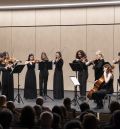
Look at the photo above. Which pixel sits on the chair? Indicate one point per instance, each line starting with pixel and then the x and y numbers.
pixel 108 97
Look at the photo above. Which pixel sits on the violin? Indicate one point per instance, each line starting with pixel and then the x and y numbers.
pixel 97 85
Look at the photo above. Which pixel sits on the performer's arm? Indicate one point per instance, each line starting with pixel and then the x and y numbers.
pixel 107 77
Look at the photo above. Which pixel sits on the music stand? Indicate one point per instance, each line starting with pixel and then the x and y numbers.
pixel 76 67
pixel 48 65
pixel 18 69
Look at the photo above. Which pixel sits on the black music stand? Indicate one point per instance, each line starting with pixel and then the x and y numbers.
pixel 76 67
pixel 41 66
pixel 18 69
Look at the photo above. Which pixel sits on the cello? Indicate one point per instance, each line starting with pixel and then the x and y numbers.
pixel 97 85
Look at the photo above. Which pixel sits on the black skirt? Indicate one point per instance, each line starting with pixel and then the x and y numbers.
pixel 30 90
pixel 8 85
pixel 58 85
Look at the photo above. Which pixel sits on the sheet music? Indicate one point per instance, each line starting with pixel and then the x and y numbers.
pixel 75 80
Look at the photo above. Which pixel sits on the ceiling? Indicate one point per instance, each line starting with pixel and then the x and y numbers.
pixel 34 2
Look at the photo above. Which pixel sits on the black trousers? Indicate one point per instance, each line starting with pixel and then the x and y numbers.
pixel 99 95
pixel 43 79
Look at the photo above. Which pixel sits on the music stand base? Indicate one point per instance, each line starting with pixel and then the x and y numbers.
pixel 47 96
pixel 18 98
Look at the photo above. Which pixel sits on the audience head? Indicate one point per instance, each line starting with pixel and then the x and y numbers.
pixel 73 124
pixel 27 116
pixel 39 101
pixel 6 118
pixel 57 109
pixel 84 106
pixel 38 110
pixel 84 113
pixel 90 121
pixel 67 102
pixel 46 119
pixel 114 106
pixel 3 100
pixel 116 118
pixel 1 126
pixel 56 121
pixel 10 105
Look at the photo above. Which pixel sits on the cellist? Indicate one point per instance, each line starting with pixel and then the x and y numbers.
pixel 106 88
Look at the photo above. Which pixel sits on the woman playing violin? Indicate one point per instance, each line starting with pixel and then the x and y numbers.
pixel 81 58
pixel 106 87
pixel 30 90
pixel 7 77
pixel 98 65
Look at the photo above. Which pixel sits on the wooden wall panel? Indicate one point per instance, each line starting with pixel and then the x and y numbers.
pixel 117 14
pixel 23 43
pixel 5 40
pixel 99 38
pixel 23 18
pixel 116 50
pixel 73 16
pixel 5 18
pixel 48 40
pixel 100 15
pixel 48 17
pixel 72 40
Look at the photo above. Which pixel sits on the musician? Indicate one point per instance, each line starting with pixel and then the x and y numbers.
pixel 81 58
pixel 98 65
pixel 58 84
pixel 7 77
pixel 106 87
pixel 43 75
pixel 30 87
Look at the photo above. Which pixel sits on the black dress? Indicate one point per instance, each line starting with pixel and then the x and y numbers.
pixel 98 68
pixel 82 77
pixel 30 91
pixel 7 84
pixel 43 79
pixel 58 84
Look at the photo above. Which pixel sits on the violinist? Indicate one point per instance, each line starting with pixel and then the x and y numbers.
pixel 30 87
pixel 58 83
pixel 43 75
pixel 98 65
pixel 7 77
pixel 106 87
pixel 83 74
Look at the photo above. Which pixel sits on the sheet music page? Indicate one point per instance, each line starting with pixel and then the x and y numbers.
pixel 75 80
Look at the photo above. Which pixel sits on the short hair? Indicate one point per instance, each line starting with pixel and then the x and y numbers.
pixel 6 118
pixel 27 117
pixel 90 121
pixel 3 100
pixel 84 106
pixel 73 124
pixel 116 118
pixel 46 119
pixel 114 106
pixel 39 101
pixel 67 101
pixel 10 105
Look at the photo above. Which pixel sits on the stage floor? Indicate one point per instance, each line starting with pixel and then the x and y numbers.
pixel 48 102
